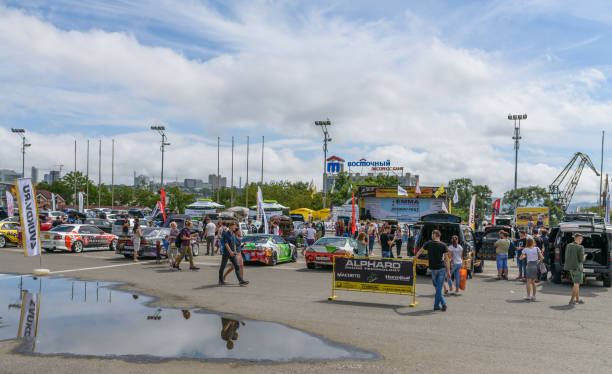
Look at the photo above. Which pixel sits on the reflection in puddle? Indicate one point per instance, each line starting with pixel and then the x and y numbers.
pixel 94 320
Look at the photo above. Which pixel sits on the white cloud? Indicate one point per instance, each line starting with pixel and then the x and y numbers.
pixel 396 92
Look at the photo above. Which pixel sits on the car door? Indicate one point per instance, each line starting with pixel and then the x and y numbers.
pixel 283 247
pixel 98 238
pixel 86 237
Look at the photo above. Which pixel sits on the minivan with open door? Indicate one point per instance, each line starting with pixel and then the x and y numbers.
pixel 448 225
pixel 597 241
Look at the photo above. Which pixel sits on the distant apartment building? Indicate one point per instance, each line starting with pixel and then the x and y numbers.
pixel 9 176
pixel 140 179
pixel 34 175
pixel 54 175
pixel 213 179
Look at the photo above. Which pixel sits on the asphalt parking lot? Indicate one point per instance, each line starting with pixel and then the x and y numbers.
pixel 487 329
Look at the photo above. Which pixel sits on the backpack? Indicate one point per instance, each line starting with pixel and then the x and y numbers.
pixel 178 241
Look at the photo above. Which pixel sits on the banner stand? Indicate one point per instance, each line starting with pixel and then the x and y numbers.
pixel 366 281
pixel 23 213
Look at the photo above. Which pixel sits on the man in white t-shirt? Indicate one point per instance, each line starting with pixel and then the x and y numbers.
pixel 210 237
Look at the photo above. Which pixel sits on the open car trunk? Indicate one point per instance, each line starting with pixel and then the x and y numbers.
pixel 596 247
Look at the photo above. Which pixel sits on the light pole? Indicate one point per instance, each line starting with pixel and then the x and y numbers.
pixel 162 131
pixel 24 145
pixel 516 137
pixel 326 139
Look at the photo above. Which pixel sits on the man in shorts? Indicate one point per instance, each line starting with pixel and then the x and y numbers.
pixel 501 254
pixel 574 260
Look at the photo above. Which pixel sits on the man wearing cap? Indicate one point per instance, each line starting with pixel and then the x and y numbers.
pixel 574 258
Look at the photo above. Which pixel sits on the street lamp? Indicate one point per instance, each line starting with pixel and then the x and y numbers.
pixel 326 139
pixel 161 130
pixel 516 138
pixel 24 145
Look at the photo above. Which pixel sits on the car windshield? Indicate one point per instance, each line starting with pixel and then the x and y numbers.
pixel 151 231
pixel 255 239
pixel 63 228
pixel 337 242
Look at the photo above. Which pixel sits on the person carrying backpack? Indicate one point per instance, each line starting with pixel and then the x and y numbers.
pixel 185 237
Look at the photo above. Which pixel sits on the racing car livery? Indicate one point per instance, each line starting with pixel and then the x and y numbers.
pixel 325 249
pixel 268 249
pixel 9 233
pixel 77 238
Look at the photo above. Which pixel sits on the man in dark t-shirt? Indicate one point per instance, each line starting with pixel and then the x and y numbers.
pixel 439 265
pixel 386 242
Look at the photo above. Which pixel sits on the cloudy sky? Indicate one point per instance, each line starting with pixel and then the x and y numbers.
pixel 427 86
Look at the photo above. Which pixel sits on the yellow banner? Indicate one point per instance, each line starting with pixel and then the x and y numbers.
pixel 526 214
pixel 373 287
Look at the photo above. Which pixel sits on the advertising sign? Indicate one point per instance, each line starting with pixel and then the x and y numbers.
pixel 29 315
pixel 402 209
pixel 531 214
pixel 425 192
pixel 28 214
pixel 374 275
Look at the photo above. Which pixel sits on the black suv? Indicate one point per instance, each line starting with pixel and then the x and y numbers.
pixel 485 241
pixel 597 245
pixel 448 225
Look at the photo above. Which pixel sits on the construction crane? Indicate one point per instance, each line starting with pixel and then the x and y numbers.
pixel 562 190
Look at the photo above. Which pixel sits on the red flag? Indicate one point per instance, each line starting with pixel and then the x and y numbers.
pixel 496 207
pixel 353 224
pixel 163 203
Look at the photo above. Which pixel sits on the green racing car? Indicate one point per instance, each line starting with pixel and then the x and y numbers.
pixel 268 249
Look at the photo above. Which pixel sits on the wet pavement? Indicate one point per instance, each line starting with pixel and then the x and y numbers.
pixel 95 319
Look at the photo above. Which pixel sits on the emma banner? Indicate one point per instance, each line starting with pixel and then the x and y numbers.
pixel 401 209
pixel 30 229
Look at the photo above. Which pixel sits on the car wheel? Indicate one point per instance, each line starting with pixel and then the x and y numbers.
pixel 128 256
pixel 294 255
pixel 113 245
pixel 311 265
pixel 2 241
pixel 421 271
pixel 606 281
pixel 195 249
pixel 273 259
pixel 49 250
pixel 77 247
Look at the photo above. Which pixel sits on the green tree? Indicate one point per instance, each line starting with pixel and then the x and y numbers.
pixel 527 196
pixel 177 199
pixel 465 190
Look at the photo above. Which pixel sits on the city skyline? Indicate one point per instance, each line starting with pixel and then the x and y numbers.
pixel 428 87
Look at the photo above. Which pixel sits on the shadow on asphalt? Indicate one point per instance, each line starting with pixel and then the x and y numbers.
pixel 562 307
pixel 362 304
pixel 592 289
pixel 214 285
pixel 518 301
pixel 415 313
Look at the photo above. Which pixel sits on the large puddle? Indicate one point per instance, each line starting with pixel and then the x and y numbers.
pixel 94 319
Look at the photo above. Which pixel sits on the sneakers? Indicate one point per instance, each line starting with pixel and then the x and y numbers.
pixel 533 298
pixel 579 302
pixel 194 268
pixel 244 283
pixel 527 298
pixel 443 308
pixel 222 283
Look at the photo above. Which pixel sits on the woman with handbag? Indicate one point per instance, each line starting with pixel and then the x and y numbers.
pixel 533 255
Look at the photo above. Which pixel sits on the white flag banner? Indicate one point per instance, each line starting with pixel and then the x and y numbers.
pixel 455 197
pixel 28 321
pixel 30 229
pixel 10 204
pixel 401 191
pixel 81 202
pixel 472 221
pixel 444 209
pixel 53 201
pixel 607 215
pixel 260 209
